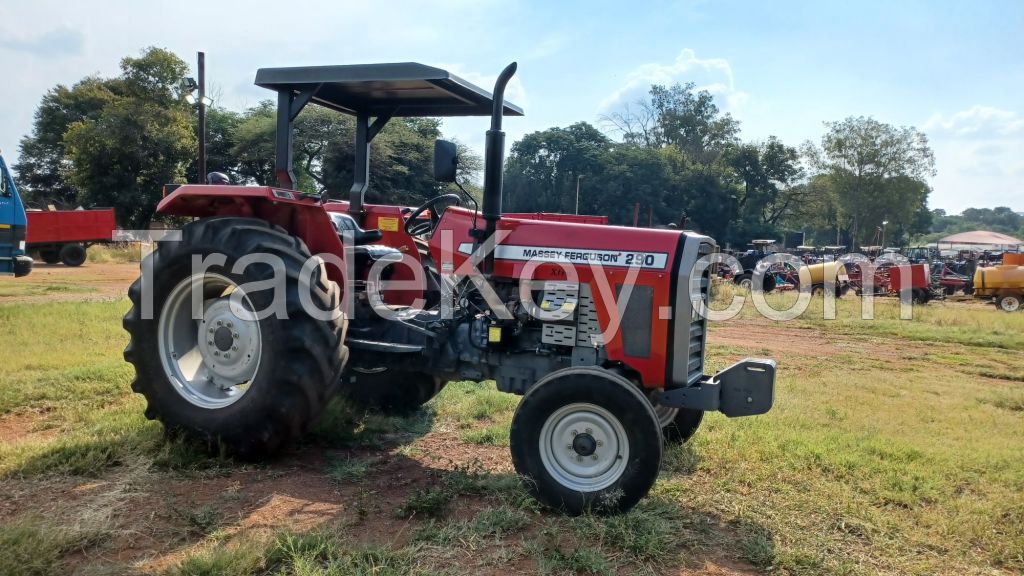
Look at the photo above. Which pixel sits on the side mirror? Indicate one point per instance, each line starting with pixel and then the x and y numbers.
pixel 446 160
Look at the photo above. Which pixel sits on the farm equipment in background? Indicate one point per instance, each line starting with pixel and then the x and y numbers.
pixel 13 259
pixel 1002 284
pixel 64 236
pixel 948 282
pixel 604 372
pixel 750 261
pixel 815 275
pixel 891 278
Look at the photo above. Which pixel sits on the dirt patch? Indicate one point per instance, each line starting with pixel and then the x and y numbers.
pixel 88 282
pixel 760 337
pixel 24 427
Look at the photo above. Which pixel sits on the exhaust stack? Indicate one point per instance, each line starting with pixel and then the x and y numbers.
pixel 494 154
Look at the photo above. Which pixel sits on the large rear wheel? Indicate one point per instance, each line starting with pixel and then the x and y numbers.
pixel 585 439
pixel 225 358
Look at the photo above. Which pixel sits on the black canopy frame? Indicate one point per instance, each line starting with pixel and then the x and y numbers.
pixel 368 91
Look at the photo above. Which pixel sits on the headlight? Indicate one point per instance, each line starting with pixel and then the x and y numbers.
pixel 21 245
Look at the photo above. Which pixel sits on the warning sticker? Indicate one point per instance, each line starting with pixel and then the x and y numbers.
pixel 387 223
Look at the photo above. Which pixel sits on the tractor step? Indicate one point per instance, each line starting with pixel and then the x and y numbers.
pixel 389 347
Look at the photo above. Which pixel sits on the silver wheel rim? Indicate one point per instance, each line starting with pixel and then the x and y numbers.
pixel 746 284
pixel 210 361
pixel 666 414
pixel 1010 303
pixel 561 438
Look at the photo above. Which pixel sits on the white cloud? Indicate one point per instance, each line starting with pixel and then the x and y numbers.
pixel 712 74
pixel 61 41
pixel 979 155
pixel 979 120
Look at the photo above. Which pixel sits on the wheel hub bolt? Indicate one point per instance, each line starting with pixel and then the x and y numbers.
pixel 579 458
pixel 230 325
pixel 209 342
pixel 216 352
pixel 594 456
pixel 226 355
pixel 235 335
pixel 589 431
pixel 235 348
pixel 575 433
pixel 599 443
pixel 220 322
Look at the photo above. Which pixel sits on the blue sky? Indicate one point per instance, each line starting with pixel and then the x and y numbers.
pixel 952 69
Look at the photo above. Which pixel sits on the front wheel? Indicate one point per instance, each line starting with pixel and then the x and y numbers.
pixel 223 358
pixel 678 424
pixel 585 439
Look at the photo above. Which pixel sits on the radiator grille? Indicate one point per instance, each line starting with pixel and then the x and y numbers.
pixel 698 326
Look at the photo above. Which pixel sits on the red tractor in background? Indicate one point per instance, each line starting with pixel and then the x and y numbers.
pixel 598 327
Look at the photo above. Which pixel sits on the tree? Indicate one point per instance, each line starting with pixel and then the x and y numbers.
pixel 43 164
pixel 678 116
pixel 877 171
pixel 544 167
pixel 140 140
pixel 768 172
pixel 253 145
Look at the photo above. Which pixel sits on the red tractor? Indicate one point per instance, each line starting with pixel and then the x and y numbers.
pixel 273 299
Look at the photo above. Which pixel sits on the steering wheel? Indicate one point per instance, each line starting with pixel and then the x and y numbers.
pixel 415 228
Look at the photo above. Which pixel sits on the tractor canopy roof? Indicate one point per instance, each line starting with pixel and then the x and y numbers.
pixel 393 90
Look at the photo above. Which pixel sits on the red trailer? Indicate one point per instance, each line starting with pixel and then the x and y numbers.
pixel 64 235
pixel 890 279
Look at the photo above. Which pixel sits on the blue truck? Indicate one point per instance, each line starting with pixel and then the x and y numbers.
pixel 13 226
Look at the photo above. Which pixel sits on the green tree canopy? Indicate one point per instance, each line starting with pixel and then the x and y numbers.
pixel 878 174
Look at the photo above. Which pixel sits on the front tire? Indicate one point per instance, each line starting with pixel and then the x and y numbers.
pixel 680 424
pixel 282 368
pixel 585 439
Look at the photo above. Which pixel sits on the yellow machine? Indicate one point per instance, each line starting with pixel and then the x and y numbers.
pixel 1003 283
pixel 814 275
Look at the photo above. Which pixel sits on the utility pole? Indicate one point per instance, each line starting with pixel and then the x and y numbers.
pixel 578 178
pixel 202 118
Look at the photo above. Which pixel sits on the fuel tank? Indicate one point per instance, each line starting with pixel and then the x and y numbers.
pixel 1008 276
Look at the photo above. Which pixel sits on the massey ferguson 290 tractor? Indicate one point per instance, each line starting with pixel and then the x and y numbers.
pixel 272 300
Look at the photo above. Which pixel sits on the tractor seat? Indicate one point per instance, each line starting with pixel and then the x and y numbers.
pixel 344 223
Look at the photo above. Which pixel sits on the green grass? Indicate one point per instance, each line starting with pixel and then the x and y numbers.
pixel 903 462
pixel 119 252
pixel 348 469
pixel 317 553
pixel 22 288
pixel 480 413
pixel 970 324
pixel 30 549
